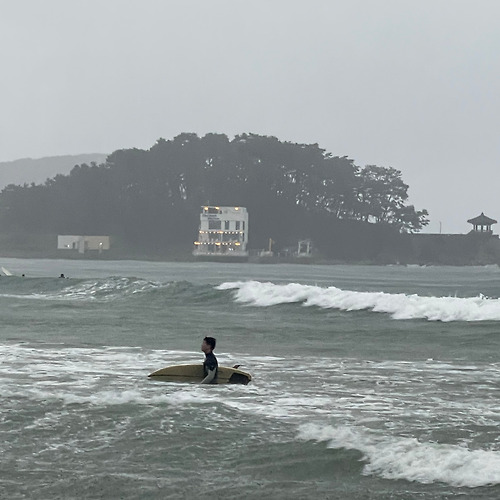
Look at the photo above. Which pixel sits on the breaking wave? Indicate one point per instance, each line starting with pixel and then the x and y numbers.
pixel 409 459
pixel 103 289
pixel 400 306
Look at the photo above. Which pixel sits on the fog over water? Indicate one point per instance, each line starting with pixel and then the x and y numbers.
pixel 406 84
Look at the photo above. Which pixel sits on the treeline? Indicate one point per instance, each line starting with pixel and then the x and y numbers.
pixel 151 199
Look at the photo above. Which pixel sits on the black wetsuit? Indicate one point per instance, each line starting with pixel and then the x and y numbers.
pixel 210 363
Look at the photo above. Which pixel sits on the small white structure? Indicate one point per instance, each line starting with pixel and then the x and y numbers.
pixel 83 244
pixel 304 248
pixel 269 252
pixel 223 232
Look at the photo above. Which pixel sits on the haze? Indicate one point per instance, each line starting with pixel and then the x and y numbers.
pixel 412 85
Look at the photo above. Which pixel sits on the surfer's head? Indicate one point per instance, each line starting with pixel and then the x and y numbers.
pixel 208 344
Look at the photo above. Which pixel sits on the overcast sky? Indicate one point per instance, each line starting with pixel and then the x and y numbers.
pixel 409 84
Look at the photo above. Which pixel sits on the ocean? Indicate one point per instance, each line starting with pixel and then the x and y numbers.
pixel 369 382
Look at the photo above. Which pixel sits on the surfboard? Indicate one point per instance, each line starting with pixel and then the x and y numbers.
pixel 194 373
pixel 6 272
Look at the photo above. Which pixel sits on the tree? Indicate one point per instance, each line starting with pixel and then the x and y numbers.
pixel 151 198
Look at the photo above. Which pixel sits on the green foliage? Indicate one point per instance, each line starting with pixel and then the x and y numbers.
pixel 151 199
pixel 382 195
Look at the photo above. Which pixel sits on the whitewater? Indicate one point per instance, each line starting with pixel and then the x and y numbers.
pixel 399 306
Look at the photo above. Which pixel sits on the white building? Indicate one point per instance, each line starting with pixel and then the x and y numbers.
pixel 223 232
pixel 83 244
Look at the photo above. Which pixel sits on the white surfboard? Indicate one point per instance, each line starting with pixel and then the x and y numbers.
pixel 194 373
pixel 6 272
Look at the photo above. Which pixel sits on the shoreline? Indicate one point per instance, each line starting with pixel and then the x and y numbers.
pixel 314 261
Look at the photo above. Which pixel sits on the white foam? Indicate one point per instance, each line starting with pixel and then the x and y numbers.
pixel 108 288
pixel 139 396
pixel 400 306
pixel 409 459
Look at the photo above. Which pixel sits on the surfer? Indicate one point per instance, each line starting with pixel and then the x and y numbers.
pixel 210 364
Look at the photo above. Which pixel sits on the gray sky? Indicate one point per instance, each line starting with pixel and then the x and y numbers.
pixel 409 84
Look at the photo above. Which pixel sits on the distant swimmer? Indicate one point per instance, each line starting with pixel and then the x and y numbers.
pixel 210 365
pixel 62 276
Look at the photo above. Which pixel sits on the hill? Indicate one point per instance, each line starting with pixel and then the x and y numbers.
pixel 149 200
pixel 28 170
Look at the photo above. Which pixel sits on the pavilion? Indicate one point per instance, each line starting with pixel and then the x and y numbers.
pixel 482 224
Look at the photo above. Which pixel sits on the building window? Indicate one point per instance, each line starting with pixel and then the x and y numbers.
pixel 243 225
pixel 214 224
pixel 226 225
pixel 237 225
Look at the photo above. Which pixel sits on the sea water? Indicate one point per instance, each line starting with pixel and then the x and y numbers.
pixel 368 382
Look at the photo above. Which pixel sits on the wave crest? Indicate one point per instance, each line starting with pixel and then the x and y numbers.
pixel 409 459
pixel 400 306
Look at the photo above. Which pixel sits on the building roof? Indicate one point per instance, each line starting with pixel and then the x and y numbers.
pixel 482 220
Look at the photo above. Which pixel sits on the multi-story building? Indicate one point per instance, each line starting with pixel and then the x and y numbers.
pixel 223 233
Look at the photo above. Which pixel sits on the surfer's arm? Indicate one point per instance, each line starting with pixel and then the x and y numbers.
pixel 211 375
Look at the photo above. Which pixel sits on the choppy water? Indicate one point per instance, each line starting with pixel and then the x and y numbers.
pixel 368 382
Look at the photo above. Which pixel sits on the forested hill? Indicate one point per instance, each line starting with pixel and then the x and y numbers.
pixel 151 199
pixel 28 170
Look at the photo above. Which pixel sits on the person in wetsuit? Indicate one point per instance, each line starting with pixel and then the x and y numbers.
pixel 210 364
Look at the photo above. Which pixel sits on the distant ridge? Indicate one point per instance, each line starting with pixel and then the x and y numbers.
pixel 28 170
